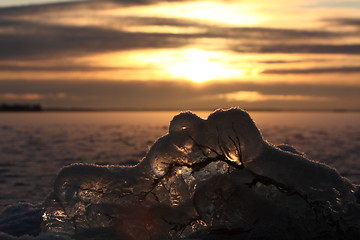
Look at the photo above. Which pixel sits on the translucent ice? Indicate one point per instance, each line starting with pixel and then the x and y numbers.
pixel 207 179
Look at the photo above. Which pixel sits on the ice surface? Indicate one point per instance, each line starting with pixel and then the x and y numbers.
pixel 206 179
pixel 23 222
pixel 21 219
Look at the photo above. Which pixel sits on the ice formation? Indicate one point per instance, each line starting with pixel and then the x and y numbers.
pixel 207 179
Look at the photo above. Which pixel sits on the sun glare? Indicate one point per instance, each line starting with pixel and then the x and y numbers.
pixel 200 66
pixel 192 64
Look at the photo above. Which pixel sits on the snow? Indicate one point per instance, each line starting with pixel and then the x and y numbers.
pixel 206 179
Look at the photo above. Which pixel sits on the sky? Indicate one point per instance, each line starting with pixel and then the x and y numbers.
pixel 199 54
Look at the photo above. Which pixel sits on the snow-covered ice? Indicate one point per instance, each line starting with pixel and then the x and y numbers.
pixel 206 179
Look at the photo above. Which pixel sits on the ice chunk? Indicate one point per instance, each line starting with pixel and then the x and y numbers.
pixel 22 222
pixel 21 219
pixel 207 179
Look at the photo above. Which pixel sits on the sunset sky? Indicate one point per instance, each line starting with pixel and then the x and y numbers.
pixel 149 54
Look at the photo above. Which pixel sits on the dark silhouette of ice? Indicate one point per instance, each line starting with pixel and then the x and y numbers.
pixel 207 179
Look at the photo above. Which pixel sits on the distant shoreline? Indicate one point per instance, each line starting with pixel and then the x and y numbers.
pixel 18 107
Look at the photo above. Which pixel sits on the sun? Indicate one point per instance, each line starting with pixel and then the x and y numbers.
pixel 200 66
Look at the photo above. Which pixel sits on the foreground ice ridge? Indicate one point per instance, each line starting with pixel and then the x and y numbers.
pixel 207 179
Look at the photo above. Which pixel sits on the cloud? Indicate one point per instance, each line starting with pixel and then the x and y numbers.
pixel 32 40
pixel 185 95
pixel 91 6
pixel 255 96
pixel 44 41
pixel 33 32
pixel 269 33
pixel 30 96
pixel 347 25
pixel 344 21
pixel 136 2
pixel 25 96
pixel 314 70
pixel 299 48
pixel 290 61
pixel 333 4
pixel 64 68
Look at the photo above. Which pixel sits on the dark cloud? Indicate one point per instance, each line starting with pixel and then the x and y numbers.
pixel 266 34
pixel 177 95
pixel 314 70
pixel 46 41
pixel 345 21
pixel 137 2
pixel 28 39
pixel 40 40
pixel 291 61
pixel 216 30
pixel 241 33
pixel 91 5
pixel 38 9
pixel 65 68
pixel 299 48
pixel 160 21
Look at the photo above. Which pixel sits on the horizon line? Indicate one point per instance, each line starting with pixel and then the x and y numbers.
pixel 64 109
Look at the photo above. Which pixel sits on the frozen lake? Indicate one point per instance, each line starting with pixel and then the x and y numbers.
pixel 34 146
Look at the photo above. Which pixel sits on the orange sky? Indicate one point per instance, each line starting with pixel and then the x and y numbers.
pixel 182 54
